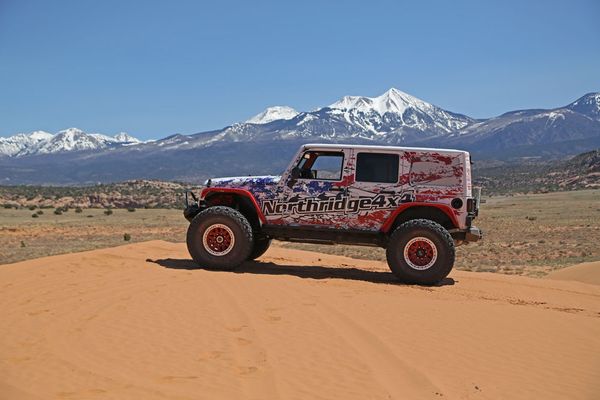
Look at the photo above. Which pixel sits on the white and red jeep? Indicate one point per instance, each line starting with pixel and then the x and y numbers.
pixel 417 203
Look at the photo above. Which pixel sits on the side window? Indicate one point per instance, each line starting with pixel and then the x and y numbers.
pixel 430 171
pixel 377 167
pixel 322 165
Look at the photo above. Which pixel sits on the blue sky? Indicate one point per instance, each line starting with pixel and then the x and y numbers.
pixel 154 68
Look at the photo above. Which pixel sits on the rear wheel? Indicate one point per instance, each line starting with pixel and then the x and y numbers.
pixel 220 238
pixel 261 245
pixel 420 251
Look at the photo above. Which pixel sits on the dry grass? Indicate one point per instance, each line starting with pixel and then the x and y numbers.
pixel 23 237
pixel 527 234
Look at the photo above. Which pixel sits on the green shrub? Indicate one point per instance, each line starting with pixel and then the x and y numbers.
pixel 58 211
pixel 108 211
pixel 131 209
pixel 39 212
pixel 78 210
pixel 35 215
pixel 32 207
pixel 127 237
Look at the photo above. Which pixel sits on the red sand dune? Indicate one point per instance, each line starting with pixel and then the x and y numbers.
pixel 108 324
pixel 588 272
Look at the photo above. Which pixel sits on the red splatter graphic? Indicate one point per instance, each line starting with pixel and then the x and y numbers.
pixel 346 181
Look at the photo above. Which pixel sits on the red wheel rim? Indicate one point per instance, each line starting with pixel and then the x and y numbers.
pixel 218 239
pixel 420 253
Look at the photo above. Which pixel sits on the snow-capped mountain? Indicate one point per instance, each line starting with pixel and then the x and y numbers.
pixel 124 138
pixel 67 140
pixel 272 114
pixel 588 105
pixel 573 127
pixel 395 110
pixel 13 145
pixel 393 117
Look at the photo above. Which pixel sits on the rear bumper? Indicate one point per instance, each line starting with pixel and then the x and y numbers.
pixel 468 235
pixel 473 234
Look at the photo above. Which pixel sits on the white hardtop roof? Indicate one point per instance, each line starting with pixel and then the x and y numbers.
pixel 373 147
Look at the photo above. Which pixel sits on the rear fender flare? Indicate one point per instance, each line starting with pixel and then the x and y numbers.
pixel 389 222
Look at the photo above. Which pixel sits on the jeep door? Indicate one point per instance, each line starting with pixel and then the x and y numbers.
pixel 375 190
pixel 316 194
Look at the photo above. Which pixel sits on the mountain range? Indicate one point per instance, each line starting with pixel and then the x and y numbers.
pixel 72 139
pixel 265 142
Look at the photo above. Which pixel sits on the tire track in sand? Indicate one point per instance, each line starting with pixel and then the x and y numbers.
pixel 395 376
pixel 252 369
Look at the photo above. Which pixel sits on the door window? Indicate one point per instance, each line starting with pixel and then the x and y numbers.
pixel 321 165
pixel 377 167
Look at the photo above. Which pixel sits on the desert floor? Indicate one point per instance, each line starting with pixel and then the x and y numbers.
pixel 528 235
pixel 141 322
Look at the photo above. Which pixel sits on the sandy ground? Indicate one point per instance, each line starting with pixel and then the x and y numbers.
pixel 138 322
pixel 585 272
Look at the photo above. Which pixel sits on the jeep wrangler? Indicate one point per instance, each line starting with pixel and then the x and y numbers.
pixel 417 203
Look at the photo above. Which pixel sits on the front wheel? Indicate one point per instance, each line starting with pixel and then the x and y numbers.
pixel 420 251
pixel 220 238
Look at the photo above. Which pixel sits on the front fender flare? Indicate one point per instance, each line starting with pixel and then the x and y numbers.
pixel 241 192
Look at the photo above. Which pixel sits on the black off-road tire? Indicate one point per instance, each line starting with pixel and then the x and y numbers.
pixel 223 222
pixel 413 243
pixel 261 245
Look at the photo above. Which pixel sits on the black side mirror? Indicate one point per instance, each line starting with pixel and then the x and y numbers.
pixel 295 173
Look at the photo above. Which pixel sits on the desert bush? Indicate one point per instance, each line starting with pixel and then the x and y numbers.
pixel 35 215
pixel 131 209
pixel 58 211
pixel 39 212
pixel 78 210
pixel 32 207
pixel 127 237
pixel 23 244
pixel 7 205
pixel 108 211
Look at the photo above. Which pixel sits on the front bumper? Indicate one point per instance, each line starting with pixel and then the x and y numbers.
pixel 192 208
pixel 468 235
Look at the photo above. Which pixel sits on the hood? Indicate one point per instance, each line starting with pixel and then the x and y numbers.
pixel 245 182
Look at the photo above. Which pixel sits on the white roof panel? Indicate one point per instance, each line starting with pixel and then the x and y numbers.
pixel 373 147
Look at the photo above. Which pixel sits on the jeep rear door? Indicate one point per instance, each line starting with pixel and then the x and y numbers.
pixel 374 192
